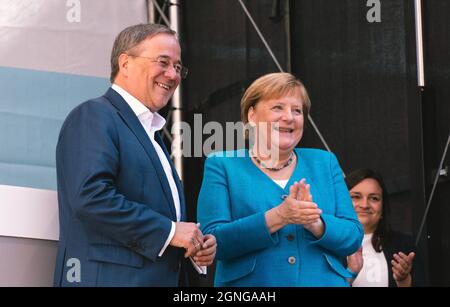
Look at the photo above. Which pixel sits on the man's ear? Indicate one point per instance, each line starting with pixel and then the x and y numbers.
pixel 123 64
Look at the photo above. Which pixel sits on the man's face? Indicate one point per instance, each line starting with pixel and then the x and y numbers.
pixel 148 80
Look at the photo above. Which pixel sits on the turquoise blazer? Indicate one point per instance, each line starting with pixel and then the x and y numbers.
pixel 234 197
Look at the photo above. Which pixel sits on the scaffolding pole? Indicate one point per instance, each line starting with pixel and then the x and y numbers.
pixel 177 100
pixel 151 14
pixel 175 113
pixel 419 43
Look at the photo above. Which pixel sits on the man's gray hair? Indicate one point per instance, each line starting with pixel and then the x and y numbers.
pixel 130 38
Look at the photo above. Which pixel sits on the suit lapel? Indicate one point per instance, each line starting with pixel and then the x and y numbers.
pixel 175 177
pixel 131 120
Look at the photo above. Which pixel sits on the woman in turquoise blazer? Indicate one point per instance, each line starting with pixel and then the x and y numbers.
pixel 282 216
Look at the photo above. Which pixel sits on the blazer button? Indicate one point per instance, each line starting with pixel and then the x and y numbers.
pixel 291 260
pixel 290 237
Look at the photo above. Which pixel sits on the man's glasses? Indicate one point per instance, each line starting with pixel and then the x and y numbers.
pixel 165 63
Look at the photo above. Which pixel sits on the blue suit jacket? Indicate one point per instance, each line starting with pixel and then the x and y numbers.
pixel 115 203
pixel 234 197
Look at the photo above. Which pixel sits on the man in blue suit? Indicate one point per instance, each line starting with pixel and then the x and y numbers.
pixel 121 207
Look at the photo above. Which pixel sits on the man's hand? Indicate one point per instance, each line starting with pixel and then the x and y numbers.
pixel 206 255
pixel 189 236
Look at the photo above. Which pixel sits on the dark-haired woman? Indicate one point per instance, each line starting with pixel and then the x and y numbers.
pixel 389 258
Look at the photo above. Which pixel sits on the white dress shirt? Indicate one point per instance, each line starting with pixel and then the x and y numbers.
pixel 153 122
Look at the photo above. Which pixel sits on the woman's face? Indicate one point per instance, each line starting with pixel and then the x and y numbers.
pixel 278 122
pixel 368 203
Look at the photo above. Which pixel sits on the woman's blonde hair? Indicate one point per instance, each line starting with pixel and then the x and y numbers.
pixel 273 86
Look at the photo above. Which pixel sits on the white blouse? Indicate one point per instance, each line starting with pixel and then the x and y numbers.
pixel 281 183
pixel 374 272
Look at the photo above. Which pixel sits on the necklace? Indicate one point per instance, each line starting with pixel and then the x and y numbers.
pixel 263 165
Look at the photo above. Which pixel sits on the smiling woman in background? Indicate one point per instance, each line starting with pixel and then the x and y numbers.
pixel 389 257
pixel 259 202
